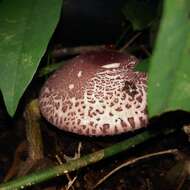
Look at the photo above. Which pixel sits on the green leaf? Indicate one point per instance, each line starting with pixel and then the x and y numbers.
pixel 49 69
pixel 141 13
pixel 26 28
pixel 169 74
pixel 143 66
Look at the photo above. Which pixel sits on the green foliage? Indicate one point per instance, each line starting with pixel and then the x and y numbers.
pixel 49 69
pixel 141 13
pixel 143 65
pixel 26 27
pixel 169 74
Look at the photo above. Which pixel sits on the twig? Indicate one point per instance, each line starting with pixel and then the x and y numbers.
pixel 71 181
pixel 16 162
pixel 74 50
pixel 70 184
pixel 182 180
pixel 42 175
pixel 130 41
pixel 77 154
pixel 132 161
pixel 145 50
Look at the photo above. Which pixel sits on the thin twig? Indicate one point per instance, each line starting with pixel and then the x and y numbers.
pixel 77 154
pixel 16 162
pixel 132 161
pixel 182 180
pixel 71 181
pixel 130 41
pixel 70 184
pixel 74 50
pixel 145 50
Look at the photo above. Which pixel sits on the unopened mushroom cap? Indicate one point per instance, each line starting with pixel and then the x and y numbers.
pixel 96 93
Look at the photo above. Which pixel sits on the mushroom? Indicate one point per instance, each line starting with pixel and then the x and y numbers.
pixel 96 93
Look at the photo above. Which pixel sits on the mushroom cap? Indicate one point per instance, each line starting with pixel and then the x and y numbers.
pixel 96 93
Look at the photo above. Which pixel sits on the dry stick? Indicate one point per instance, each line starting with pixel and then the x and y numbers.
pixel 145 50
pixel 45 174
pixel 75 50
pixel 132 161
pixel 130 41
pixel 70 184
pixel 71 181
pixel 148 184
pixel 16 162
pixel 183 178
pixel 77 154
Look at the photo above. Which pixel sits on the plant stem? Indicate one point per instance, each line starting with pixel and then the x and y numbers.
pixel 42 175
pixel 33 132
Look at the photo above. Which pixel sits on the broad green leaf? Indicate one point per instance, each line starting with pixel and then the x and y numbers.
pixel 141 13
pixel 169 74
pixel 25 30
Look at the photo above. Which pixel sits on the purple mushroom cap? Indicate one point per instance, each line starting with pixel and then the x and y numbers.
pixel 96 93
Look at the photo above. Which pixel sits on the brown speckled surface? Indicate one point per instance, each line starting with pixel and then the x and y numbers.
pixel 96 93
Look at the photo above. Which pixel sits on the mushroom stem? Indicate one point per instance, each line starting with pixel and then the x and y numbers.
pixel 33 132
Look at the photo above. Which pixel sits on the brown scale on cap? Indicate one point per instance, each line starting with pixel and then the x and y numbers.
pixel 96 93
